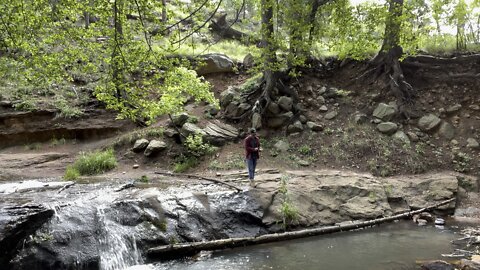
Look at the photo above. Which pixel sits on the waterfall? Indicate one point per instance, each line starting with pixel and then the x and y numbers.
pixel 117 249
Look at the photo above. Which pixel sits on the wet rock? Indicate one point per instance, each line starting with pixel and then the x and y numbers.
pixel 387 127
pixel 140 145
pixel 154 147
pixel 16 224
pixel 469 265
pixel 384 112
pixel 429 122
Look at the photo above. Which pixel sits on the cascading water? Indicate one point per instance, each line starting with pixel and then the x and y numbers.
pixel 117 249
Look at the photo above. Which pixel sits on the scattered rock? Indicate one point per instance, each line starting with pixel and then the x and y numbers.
pixel 472 143
pixel 273 108
pixel 474 107
pixel 136 166
pixel 453 109
pixel 384 111
pixel 323 108
pixel 154 147
pixel 387 127
pixel 429 122
pixel 295 127
pixel 303 163
pixel 140 145
pixel 314 126
pixel 402 137
pixel 320 100
pixel 285 103
pixel 446 130
pixel 413 137
pixel 322 90
pixel 360 118
pixel 331 115
pixel 303 119
pixel 281 146
pixel 278 121
pixel 170 132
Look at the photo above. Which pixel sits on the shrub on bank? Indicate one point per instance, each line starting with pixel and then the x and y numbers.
pixel 91 163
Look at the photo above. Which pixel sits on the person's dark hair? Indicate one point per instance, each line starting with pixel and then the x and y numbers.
pixel 252 130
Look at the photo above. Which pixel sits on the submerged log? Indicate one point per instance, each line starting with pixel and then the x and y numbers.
pixel 187 249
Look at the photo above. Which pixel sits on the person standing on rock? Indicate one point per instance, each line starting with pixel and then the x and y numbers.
pixel 252 152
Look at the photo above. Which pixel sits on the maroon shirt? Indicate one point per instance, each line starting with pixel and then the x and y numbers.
pixel 252 142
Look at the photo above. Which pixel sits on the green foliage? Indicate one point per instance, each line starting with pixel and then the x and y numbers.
pixel 232 162
pixel 288 210
pixel 144 179
pixel 95 162
pixel 33 146
pixel 71 173
pixel 196 147
pixel 305 150
pixel 184 163
pixel 56 142
pixel 461 162
pixel 251 83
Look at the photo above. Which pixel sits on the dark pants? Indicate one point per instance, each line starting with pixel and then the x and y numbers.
pixel 251 163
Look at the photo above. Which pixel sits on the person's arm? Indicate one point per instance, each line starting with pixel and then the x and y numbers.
pixel 248 147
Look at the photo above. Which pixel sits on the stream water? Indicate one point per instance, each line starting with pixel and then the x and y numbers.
pixel 396 246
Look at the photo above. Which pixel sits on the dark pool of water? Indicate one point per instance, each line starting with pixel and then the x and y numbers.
pixel 395 246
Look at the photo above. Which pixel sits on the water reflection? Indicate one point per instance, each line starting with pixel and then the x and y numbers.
pixel 388 247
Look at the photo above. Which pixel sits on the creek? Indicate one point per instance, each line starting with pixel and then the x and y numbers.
pixel 394 246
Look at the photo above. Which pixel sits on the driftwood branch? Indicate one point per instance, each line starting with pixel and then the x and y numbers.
pixel 201 178
pixel 187 249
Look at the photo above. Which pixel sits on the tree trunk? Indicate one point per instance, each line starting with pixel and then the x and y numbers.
pixel 188 249
pixel 164 11
pixel 269 50
pixel 116 53
pixel 387 60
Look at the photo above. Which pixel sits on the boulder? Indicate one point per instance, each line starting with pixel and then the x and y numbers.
pixel 295 127
pixel 234 109
pixel 303 119
pixel 320 100
pixel 190 128
pixel 248 61
pixel 314 126
pixel 412 136
pixel 437 265
pixel 402 137
pixel 140 145
pixel 256 121
pixel 387 127
pixel 281 146
pixel 331 115
pixel 446 130
pixel 154 147
pixel 218 133
pixel 227 96
pixel 472 143
pixel 273 108
pixel 278 121
pixel 285 103
pixel 429 122
pixel 215 63
pixel 384 112
pixel 180 119
pixel 16 224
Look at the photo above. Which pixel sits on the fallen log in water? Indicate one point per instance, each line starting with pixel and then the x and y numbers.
pixel 188 249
